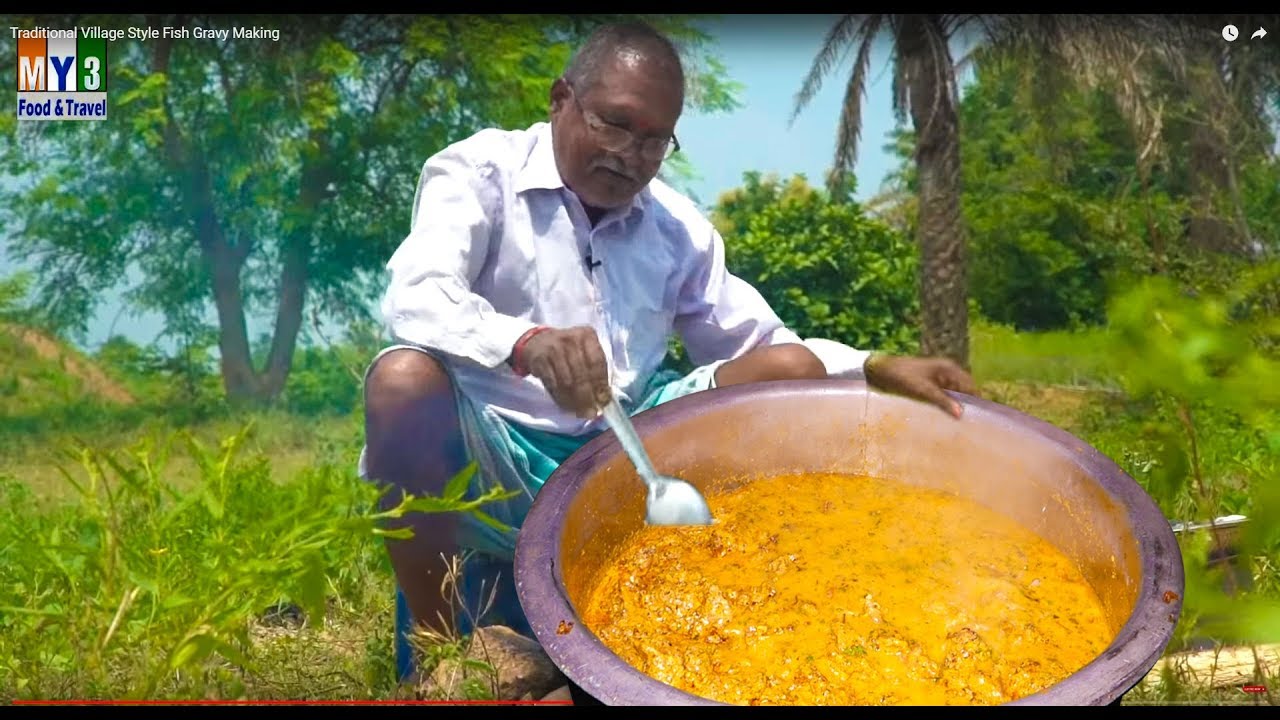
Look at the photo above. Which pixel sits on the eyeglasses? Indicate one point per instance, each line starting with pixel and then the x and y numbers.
pixel 618 139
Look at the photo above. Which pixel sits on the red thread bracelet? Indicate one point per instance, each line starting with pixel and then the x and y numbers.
pixel 517 361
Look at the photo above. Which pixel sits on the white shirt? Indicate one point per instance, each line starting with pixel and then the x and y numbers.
pixel 497 246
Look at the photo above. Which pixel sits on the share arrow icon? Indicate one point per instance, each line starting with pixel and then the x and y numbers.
pixel 1260 32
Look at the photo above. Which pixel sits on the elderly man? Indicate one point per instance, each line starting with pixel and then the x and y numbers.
pixel 545 269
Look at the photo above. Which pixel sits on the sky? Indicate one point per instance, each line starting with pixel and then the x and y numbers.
pixel 769 57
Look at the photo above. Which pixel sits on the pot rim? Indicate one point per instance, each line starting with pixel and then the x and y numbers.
pixel 590 665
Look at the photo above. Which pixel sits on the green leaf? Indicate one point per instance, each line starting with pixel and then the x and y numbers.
pixel 490 521
pixel 1263 528
pixel 474 664
pixel 30 611
pixel 211 502
pixel 193 650
pixel 1242 620
pixel 234 655
pixel 1172 471
pixel 311 590
pixel 458 484
pixel 174 602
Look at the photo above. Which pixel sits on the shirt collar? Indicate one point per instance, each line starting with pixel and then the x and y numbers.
pixel 540 171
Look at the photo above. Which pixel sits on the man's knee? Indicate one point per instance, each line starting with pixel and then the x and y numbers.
pixel 795 362
pixel 411 421
pixel 777 362
pixel 403 379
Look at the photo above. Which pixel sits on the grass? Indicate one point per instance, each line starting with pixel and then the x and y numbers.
pixel 156 544
pixel 293 443
pixel 1058 359
pixel 151 586
pixel 155 558
pixel 173 566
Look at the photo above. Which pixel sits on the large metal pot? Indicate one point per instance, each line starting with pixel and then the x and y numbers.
pixel 1042 476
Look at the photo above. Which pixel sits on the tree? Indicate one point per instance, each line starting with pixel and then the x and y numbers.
pixel 925 87
pixel 1198 108
pixel 1052 208
pixel 1084 162
pixel 1221 93
pixel 260 173
pixel 1058 53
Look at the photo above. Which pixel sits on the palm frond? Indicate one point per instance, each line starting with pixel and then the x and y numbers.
pixel 836 41
pixel 842 34
pixel 967 60
pixel 901 88
pixel 971 30
pixel 955 25
pixel 1098 51
pixel 849 131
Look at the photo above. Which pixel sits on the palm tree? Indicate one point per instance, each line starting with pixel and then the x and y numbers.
pixel 1226 89
pixel 1058 53
pixel 1123 54
pixel 924 86
pixel 1179 85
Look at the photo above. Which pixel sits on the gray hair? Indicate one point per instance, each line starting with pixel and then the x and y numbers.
pixel 610 41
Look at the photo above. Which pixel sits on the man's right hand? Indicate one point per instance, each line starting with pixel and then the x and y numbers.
pixel 572 367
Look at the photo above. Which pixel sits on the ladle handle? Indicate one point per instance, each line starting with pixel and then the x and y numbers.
pixel 626 432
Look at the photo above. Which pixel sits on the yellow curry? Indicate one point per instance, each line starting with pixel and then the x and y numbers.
pixel 836 590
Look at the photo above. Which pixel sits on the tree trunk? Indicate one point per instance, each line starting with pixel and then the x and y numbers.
pixel 317 173
pixel 293 292
pixel 944 298
pixel 238 377
pixel 223 260
pixel 1214 223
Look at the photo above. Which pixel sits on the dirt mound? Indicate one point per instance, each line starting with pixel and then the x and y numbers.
pixel 94 379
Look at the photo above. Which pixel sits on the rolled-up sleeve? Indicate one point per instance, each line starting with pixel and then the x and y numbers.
pixel 429 300
pixel 720 316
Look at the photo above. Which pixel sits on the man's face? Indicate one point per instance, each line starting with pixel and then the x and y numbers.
pixel 601 132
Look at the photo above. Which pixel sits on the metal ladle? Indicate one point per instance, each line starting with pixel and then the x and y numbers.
pixel 671 501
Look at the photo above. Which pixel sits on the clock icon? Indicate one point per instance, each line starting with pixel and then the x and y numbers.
pixel 1230 33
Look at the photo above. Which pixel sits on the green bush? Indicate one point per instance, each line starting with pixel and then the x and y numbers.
pixel 1044 258
pixel 1203 377
pixel 826 268
pixel 323 381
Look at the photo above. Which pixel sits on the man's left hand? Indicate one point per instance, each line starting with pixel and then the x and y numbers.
pixel 924 379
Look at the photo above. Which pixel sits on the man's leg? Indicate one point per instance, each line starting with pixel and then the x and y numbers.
pixel 776 362
pixel 490 578
pixel 413 444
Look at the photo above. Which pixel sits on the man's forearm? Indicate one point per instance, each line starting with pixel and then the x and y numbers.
pixel 469 329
